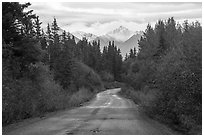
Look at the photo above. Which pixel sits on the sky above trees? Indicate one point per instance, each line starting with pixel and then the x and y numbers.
pixel 100 17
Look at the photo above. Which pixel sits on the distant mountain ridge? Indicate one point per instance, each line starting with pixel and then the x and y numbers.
pixel 123 37
pixel 130 43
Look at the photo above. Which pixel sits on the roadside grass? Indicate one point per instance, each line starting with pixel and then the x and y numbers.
pixel 144 98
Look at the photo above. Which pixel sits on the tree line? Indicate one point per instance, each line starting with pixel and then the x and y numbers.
pixel 166 73
pixel 63 47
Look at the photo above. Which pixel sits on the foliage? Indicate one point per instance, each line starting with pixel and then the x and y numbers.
pixel 169 60
pixel 84 76
pixel 112 61
pixel 42 72
pixel 24 98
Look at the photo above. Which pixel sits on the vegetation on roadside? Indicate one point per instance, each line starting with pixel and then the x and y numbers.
pixel 166 74
pixel 44 71
pixel 24 98
pixel 41 72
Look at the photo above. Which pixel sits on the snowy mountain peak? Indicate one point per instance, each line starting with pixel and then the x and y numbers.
pixel 81 35
pixel 121 29
pixel 121 33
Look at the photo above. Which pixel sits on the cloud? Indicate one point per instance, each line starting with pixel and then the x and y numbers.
pixel 101 17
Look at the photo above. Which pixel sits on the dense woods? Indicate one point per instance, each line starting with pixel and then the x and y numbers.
pixel 166 74
pixel 46 70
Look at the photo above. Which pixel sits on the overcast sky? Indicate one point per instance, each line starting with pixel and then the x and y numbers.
pixel 99 18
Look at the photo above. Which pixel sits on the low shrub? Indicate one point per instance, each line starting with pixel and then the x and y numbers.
pixel 83 95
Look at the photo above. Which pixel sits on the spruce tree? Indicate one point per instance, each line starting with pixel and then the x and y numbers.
pixel 38 27
pixel 135 52
pixel 55 28
pixel 131 54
